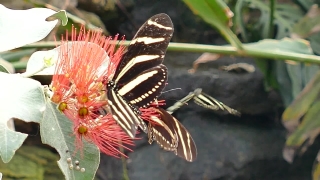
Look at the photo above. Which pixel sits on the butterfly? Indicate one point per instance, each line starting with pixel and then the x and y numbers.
pixel 140 75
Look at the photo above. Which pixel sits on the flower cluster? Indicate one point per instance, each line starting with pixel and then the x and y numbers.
pixel 79 89
pixel 85 64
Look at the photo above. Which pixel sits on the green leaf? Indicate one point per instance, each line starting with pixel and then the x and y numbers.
pixel 305 134
pixel 10 142
pixel 305 26
pixel 21 98
pixel 217 14
pixel 221 10
pixel 57 131
pixel 239 20
pixel 285 16
pixel 29 26
pixel 61 15
pixel 3 69
pixel 308 27
pixel 298 46
pixel 300 74
pixel 314 42
pixel 291 78
pixel 306 3
pixel 295 74
pixel 284 82
pixel 293 113
pixel 266 67
pixel 309 71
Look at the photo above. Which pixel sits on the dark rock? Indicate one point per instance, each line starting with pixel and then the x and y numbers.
pixel 110 168
pixel 112 13
pixel 244 92
pixel 229 147
pixel 225 148
pixel 186 24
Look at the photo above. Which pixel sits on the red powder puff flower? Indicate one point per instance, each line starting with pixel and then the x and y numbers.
pixel 78 88
pixel 106 134
pixel 83 63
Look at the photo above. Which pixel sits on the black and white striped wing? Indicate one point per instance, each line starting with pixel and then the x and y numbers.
pixel 185 147
pixel 165 136
pixel 143 61
pixel 126 116
pixel 209 102
pixel 145 86
pixel 140 77
pixel 147 49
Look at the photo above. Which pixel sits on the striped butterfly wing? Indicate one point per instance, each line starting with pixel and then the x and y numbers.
pixel 209 102
pixel 140 77
pixel 147 49
pixel 145 86
pixel 125 114
pixel 186 147
pixel 163 134
pixel 145 52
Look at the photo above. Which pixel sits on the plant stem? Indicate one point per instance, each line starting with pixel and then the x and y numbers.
pixel 247 52
pixel 239 18
pixel 271 26
pixel 231 37
pixel 226 50
pixel 124 165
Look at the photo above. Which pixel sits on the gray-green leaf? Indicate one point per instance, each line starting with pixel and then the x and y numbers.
pixel 57 131
pixel 21 98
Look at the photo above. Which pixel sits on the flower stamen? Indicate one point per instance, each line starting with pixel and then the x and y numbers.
pixel 83 111
pixel 62 106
